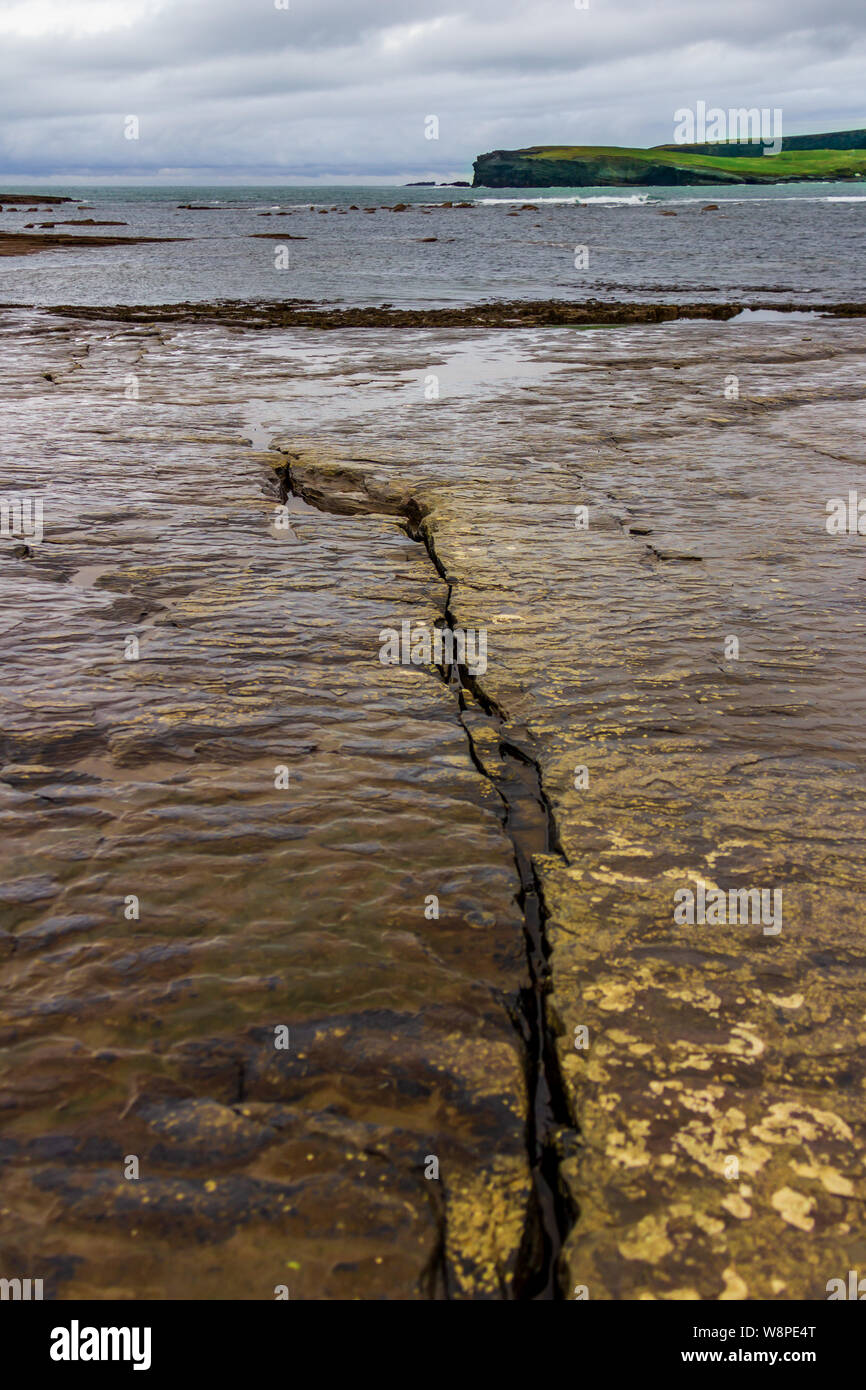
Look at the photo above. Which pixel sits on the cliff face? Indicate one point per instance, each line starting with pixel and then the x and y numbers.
pixel 525 169
pixel 831 140
pixel 562 166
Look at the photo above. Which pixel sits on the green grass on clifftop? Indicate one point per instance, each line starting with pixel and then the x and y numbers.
pixel 548 166
pixel 818 164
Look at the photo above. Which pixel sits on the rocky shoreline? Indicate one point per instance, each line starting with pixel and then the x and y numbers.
pixel 272 314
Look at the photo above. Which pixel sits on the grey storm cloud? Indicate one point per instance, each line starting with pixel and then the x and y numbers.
pixel 343 88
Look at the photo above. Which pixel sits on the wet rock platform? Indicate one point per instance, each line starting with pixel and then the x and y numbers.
pixel 228 827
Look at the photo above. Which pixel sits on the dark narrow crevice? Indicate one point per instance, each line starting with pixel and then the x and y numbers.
pixel 528 821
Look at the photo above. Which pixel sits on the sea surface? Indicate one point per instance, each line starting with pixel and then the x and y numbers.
pixel 791 241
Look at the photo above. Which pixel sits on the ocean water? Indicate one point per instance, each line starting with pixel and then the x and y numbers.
pixel 803 241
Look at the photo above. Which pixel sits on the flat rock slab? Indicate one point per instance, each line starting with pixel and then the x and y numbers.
pixel 30 243
pixel 612 516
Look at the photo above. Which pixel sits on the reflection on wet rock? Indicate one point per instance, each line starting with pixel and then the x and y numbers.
pixel 224 820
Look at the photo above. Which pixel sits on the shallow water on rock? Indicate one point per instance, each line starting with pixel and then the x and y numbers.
pixel 263 906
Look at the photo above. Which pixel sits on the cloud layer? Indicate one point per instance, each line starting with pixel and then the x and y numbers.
pixel 341 90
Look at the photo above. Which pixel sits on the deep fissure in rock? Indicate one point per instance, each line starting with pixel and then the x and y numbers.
pixel 528 821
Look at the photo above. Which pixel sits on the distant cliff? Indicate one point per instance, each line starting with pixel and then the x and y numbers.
pixel 583 166
pixel 833 140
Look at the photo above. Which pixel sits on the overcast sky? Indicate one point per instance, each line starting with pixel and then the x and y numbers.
pixel 340 90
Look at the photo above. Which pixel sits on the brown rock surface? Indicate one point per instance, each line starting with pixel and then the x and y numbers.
pixel 28 244
pixel 304 907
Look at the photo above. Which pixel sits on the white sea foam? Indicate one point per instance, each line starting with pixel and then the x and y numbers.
pixel 725 198
pixel 630 200
pixel 633 200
